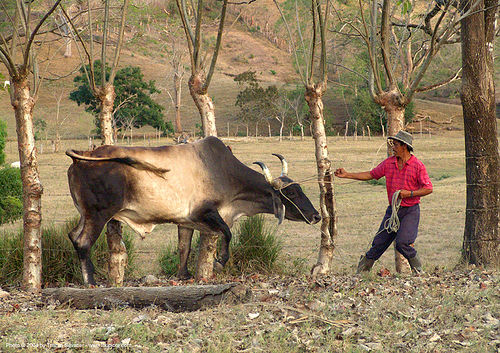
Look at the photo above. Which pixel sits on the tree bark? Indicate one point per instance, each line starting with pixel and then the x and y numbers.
pixel 481 245
pixel 204 104
pixel 177 299
pixel 208 242
pixel 313 96
pixel 23 104
pixel 106 95
pixel 392 103
pixel 206 256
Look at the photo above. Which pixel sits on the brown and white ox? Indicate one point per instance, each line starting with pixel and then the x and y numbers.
pixel 199 186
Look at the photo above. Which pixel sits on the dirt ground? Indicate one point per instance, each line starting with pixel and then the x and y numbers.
pixel 441 311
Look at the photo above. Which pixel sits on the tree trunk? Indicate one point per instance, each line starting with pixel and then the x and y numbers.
pixel 481 235
pixel 177 92
pixel 106 97
pixel 395 122
pixel 204 104
pixel 177 299
pixel 23 105
pixel 208 242
pixel 206 256
pixel 329 232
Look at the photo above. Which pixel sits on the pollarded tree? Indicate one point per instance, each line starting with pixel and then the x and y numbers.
pixel 133 100
pixel 200 79
pixel 312 69
pixel 481 245
pixel 17 53
pixel 102 88
pixel 192 20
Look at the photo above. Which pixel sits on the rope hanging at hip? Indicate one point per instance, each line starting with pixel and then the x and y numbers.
pixel 392 224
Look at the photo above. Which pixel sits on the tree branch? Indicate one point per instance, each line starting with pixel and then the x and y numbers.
pixel 217 45
pixel 119 44
pixel 449 80
pixel 292 43
pixel 33 34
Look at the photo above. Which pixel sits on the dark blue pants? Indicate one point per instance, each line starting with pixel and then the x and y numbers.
pixel 405 236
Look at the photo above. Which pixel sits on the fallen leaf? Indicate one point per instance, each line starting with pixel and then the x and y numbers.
pixel 253 315
pixel 384 272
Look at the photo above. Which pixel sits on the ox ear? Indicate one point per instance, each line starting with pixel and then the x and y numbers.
pixel 279 208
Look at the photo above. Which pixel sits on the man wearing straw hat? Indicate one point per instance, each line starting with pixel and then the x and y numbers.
pixel 406 182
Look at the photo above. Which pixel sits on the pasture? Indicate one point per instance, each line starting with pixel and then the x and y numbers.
pixel 447 309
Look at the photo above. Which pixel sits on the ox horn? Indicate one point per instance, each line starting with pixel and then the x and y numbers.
pixel 265 170
pixel 284 164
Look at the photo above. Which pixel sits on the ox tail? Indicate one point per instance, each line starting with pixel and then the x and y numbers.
pixel 135 163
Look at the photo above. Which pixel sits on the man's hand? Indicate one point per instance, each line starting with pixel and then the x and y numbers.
pixel 404 194
pixel 340 173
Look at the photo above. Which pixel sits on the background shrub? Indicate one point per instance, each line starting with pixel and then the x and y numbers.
pixel 11 194
pixel 60 262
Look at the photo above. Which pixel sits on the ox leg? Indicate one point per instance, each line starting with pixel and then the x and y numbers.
pixel 185 236
pixel 117 253
pixel 217 224
pixel 83 236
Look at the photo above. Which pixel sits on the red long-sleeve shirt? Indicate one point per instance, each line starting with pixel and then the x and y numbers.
pixel 412 177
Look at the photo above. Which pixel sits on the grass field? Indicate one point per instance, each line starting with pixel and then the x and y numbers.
pixel 445 310
pixel 360 205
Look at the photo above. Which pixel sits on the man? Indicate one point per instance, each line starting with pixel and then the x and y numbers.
pixel 406 173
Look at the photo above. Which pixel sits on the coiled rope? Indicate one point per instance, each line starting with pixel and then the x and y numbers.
pixel 392 223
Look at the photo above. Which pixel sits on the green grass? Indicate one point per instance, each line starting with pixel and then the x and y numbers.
pixel 60 264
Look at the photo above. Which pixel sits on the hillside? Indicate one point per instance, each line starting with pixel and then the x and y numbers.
pixel 249 43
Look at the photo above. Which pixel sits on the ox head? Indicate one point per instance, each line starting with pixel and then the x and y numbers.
pixel 289 201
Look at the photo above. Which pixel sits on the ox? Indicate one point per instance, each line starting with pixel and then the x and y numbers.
pixel 199 186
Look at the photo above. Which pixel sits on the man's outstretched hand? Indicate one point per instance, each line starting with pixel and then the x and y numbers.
pixel 340 173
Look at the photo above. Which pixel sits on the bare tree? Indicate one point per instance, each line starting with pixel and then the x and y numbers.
pixel 177 54
pixel 481 245
pixel 104 90
pixel 58 96
pixel 199 82
pixel 18 55
pixel 314 90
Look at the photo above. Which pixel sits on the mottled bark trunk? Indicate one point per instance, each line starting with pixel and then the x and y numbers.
pixel 23 105
pixel 391 101
pixel 208 242
pixel 204 104
pixel 177 92
pixel 106 96
pixel 118 257
pixel 329 233
pixel 206 256
pixel 481 245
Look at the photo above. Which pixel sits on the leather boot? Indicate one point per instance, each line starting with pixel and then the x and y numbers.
pixel 365 264
pixel 416 265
